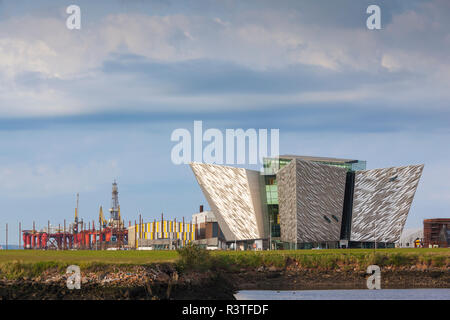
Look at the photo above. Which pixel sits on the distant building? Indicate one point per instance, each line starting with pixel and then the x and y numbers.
pixel 160 235
pixel 411 238
pixel 436 233
pixel 208 233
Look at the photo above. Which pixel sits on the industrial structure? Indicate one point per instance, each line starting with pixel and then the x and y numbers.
pixel 307 202
pixel 110 234
pixel 202 230
pixel 163 234
pixel 436 233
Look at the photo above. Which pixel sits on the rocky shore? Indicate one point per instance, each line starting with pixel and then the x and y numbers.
pixel 163 281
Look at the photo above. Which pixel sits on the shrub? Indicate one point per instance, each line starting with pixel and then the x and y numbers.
pixel 194 257
pixel 439 261
pixel 379 259
pixel 18 269
pixel 399 259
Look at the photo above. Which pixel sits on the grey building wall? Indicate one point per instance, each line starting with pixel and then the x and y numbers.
pixel 311 199
pixel 258 195
pixel 381 202
pixel 287 202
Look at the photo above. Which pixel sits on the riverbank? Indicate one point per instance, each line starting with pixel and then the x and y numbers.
pixel 198 274
pixel 163 282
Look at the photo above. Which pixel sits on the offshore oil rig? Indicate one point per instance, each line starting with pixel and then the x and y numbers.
pixel 110 234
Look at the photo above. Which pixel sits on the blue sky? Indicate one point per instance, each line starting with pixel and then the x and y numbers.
pixel 81 108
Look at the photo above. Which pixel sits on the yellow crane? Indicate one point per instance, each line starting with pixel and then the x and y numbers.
pixel 101 219
pixel 119 218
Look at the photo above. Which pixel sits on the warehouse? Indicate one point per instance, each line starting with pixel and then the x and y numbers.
pixel 160 235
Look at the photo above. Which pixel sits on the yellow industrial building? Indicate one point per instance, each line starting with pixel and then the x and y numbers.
pixel 161 234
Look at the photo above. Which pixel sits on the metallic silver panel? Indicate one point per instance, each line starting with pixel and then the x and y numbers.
pixel 381 202
pixel 311 200
pixel 234 196
pixel 287 202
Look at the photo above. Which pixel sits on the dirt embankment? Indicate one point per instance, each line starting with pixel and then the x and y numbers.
pixel 155 282
pixel 164 282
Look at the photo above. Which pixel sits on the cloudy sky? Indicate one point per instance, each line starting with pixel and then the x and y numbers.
pixel 79 108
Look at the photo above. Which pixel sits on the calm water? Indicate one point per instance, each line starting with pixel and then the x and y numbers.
pixel 383 294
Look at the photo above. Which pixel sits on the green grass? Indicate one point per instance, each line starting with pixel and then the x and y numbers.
pixel 247 257
pixel 336 258
pixel 110 257
pixel 30 263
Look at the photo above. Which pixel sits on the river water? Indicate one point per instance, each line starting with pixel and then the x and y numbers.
pixel 383 294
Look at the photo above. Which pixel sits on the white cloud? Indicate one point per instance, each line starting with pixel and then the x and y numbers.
pixel 17 55
pixel 258 39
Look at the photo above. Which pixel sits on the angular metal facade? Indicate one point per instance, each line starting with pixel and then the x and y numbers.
pixel 235 197
pixel 311 200
pixel 287 202
pixel 381 202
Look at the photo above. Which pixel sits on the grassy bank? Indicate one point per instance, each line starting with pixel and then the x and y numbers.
pixel 32 263
pixel 337 259
pixel 81 256
pixel 23 263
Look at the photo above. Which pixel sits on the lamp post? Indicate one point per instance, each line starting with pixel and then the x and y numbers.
pixel 375 232
pixel 270 233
